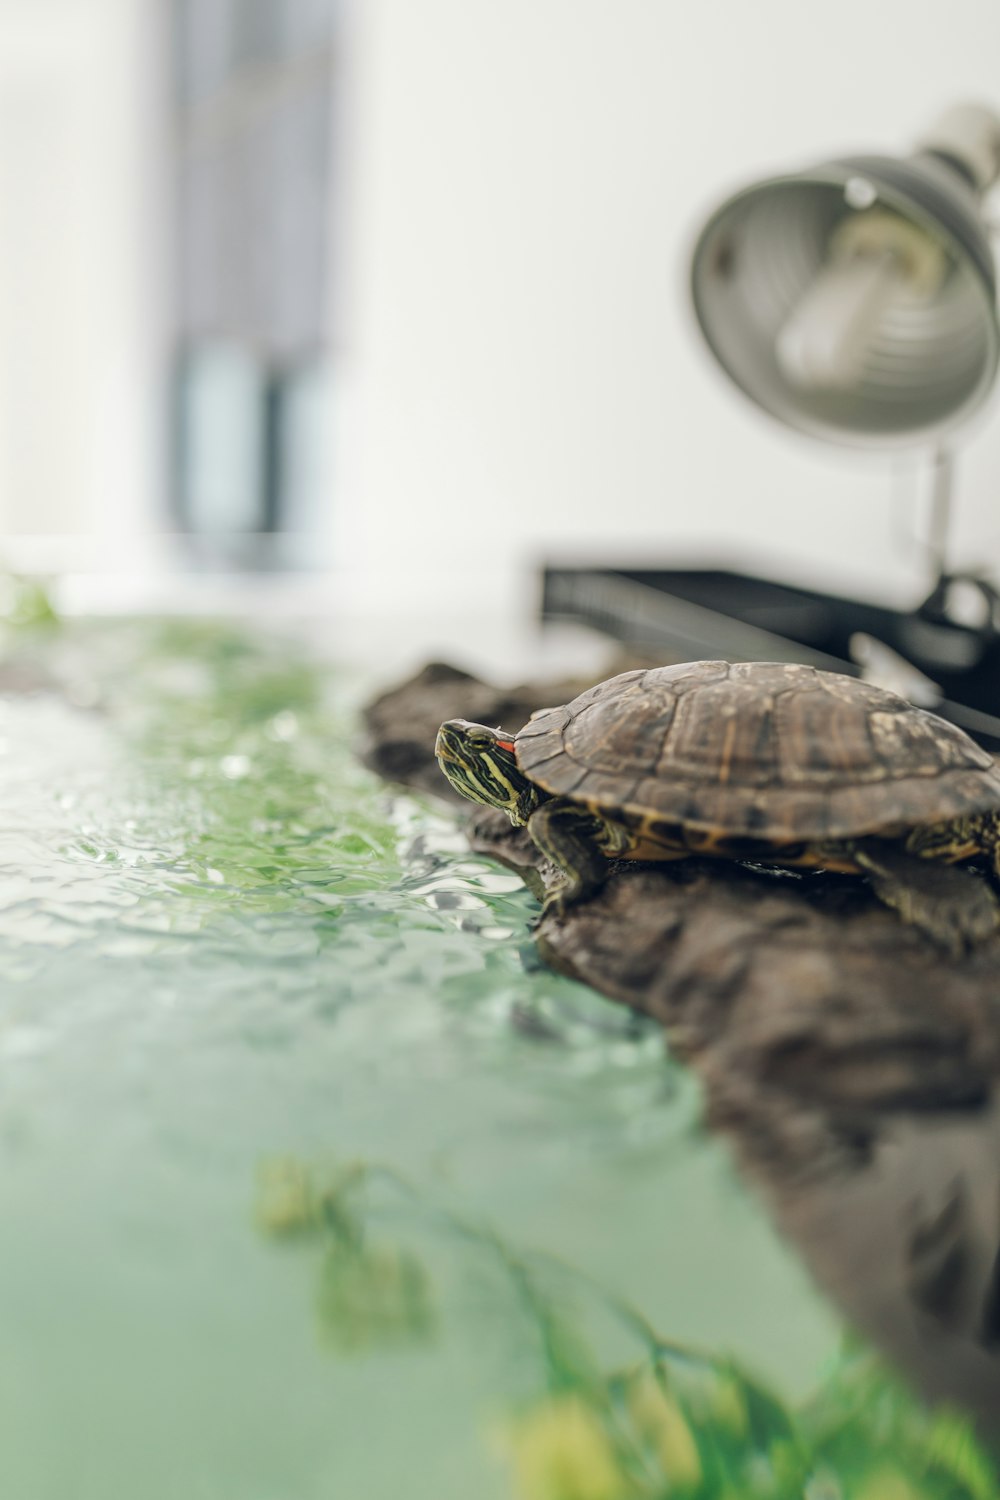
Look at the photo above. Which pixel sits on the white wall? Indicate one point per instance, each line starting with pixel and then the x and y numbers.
pixel 527 179
pixel 80 272
pixel 519 374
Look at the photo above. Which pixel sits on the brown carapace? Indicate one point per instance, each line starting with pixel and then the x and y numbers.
pixel 766 761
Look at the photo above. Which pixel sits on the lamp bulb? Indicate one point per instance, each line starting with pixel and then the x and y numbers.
pixel 874 257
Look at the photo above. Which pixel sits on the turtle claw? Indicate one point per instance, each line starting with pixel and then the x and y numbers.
pixel 556 904
pixel 567 894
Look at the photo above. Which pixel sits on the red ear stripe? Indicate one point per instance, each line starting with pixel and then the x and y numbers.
pixel 506 744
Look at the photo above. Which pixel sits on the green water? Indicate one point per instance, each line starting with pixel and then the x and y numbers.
pixel 222 943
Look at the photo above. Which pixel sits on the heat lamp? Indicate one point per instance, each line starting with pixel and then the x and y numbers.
pixel 854 301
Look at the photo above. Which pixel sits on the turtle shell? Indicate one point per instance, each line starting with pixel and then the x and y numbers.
pixel 766 751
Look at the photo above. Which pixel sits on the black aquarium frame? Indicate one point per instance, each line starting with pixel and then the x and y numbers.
pixel 695 613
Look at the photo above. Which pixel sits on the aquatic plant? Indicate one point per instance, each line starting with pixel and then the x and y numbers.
pixel 676 1422
pixel 25 603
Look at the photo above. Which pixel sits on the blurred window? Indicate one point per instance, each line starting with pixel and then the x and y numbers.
pixel 300 402
pixel 254 115
pixel 222 458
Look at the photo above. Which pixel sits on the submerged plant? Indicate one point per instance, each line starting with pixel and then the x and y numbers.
pixel 561 1450
pixel 373 1297
pixel 25 603
pixel 369 1296
pixel 677 1424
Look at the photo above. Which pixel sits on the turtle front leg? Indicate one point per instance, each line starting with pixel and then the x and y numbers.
pixel 952 906
pixel 572 839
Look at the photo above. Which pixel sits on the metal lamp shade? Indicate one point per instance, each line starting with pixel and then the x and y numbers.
pixel 929 362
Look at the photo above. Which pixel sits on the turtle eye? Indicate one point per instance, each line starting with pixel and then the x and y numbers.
pixel 479 736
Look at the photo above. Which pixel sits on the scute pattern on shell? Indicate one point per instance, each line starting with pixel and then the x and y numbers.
pixel 766 750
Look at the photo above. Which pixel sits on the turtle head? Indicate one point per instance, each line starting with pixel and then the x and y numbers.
pixel 480 764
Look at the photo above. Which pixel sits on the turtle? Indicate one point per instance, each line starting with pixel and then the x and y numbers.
pixel 773 763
